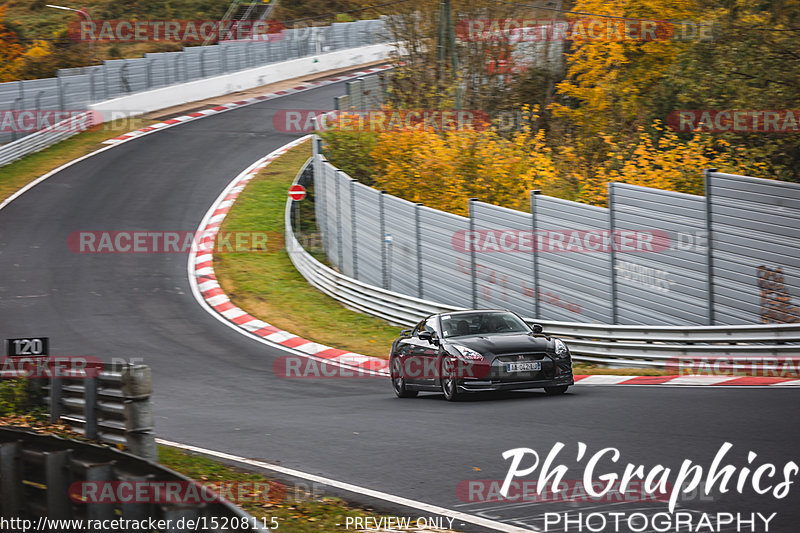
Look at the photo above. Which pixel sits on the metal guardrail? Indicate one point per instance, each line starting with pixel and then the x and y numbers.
pixel 36 472
pixel 111 404
pixel 639 346
pixel 113 407
pixel 44 138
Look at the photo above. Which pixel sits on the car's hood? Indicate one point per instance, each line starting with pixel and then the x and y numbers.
pixel 492 345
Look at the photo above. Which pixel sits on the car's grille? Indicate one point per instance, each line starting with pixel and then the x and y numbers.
pixel 516 358
pixel 500 375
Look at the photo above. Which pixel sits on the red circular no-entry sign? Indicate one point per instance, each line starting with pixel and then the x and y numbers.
pixel 297 192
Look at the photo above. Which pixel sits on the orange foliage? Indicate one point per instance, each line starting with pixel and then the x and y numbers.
pixel 10 49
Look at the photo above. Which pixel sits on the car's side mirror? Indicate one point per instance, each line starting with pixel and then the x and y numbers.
pixel 537 329
pixel 428 336
pixel 405 333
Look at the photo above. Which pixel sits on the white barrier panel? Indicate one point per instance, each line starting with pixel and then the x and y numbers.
pixel 162 98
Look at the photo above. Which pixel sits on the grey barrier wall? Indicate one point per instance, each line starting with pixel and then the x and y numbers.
pixel 644 260
pixel 668 288
pixel 573 283
pixel 402 250
pixel 638 346
pixel 75 89
pixel 446 272
pixel 755 235
pixel 364 93
pixel 367 243
pixel 501 279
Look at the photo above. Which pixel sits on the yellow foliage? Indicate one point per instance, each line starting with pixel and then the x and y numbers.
pixel 443 170
pixel 38 49
pixel 612 78
pixel 663 161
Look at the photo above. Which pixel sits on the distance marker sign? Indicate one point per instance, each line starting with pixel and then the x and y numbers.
pixel 297 192
pixel 27 347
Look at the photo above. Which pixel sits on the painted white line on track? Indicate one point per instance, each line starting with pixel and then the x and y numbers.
pixel 349 487
pixel 601 379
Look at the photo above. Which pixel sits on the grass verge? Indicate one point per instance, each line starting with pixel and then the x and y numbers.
pixel 295 508
pixel 267 285
pixel 19 173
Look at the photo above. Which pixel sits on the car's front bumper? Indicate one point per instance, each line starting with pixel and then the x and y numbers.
pixel 477 385
pixel 553 373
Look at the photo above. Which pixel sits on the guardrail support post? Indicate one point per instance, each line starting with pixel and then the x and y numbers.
pixel 472 263
pixel 418 242
pixel 90 407
pixel 613 253
pixel 55 466
pixel 148 70
pixel 382 225
pixel 55 399
pixel 106 92
pixel 99 511
pixel 10 479
pixel 709 255
pixel 91 85
pixel 137 387
pixel 338 189
pixel 353 227
pixel 61 97
pixel 534 228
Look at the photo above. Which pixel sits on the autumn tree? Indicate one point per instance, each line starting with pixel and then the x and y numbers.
pixel 10 49
pixel 752 63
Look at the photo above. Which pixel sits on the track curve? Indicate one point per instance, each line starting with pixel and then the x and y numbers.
pixel 215 388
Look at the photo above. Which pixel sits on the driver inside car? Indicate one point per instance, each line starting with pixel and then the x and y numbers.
pixel 494 324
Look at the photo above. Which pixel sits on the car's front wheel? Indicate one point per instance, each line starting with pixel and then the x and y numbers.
pixel 555 391
pixel 399 381
pixel 448 380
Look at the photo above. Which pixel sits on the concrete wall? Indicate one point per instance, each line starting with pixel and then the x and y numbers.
pixel 162 98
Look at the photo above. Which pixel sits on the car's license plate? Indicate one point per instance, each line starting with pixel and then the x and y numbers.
pixel 524 367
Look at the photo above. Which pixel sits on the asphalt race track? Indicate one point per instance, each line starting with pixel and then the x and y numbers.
pixel 215 388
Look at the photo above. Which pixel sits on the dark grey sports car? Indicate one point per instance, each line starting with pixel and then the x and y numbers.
pixel 475 351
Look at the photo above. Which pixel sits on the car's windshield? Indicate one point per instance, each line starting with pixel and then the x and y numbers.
pixel 482 323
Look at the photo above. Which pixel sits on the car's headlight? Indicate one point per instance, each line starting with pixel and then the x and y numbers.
pixel 560 348
pixel 468 353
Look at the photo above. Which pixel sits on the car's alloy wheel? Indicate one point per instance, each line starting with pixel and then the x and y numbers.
pixel 554 391
pixel 399 382
pixel 448 381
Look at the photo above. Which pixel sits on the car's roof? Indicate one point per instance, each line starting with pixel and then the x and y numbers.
pixel 471 311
